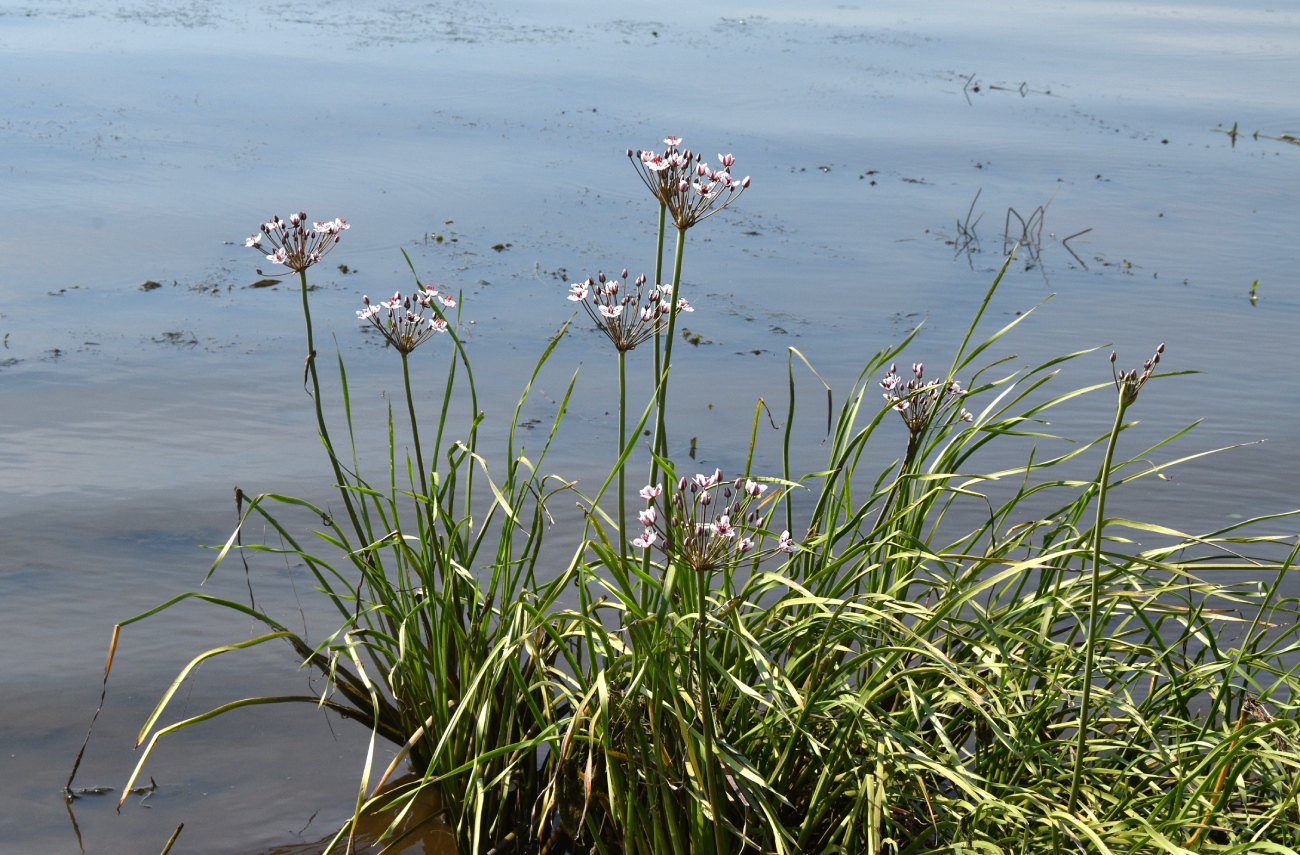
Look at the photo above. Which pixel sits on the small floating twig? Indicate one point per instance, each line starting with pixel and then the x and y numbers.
pixel 1065 242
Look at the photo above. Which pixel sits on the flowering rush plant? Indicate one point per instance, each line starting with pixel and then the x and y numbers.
pixel 709 522
pixel 916 400
pixel 1130 383
pixel 294 244
pixel 402 319
pixel 685 184
pixel 620 312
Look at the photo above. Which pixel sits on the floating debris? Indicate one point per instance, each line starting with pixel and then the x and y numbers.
pixel 178 338
pixel 694 339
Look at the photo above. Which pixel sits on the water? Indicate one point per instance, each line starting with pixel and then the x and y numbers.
pixel 145 141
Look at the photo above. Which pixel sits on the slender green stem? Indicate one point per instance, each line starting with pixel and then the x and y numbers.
pixel 888 506
pixel 320 413
pixel 659 278
pixel 622 467
pixel 883 577
pixel 659 275
pixel 753 437
pixel 1094 594
pixel 415 428
pixel 415 437
pixel 706 717
pixel 785 439
pixel 661 434
pixel 660 443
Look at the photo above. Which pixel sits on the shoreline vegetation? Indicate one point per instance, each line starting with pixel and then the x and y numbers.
pixel 779 662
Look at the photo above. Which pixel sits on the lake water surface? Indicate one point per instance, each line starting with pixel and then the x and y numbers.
pixel 142 141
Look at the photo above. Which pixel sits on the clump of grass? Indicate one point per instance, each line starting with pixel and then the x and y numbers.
pixel 783 662
pixel 892 687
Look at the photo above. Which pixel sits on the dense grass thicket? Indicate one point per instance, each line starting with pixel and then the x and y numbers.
pixel 788 662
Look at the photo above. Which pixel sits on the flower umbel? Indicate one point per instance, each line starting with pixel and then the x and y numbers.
pixel 685 184
pixel 1129 383
pixel 402 320
pixel 626 316
pixel 295 244
pixel 917 401
pixel 709 523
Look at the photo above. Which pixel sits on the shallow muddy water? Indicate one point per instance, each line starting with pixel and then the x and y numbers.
pixel 144 141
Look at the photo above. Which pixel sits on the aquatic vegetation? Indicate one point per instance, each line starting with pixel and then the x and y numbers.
pixel 832 662
pixel 402 321
pixel 685 184
pixel 293 244
pixel 625 317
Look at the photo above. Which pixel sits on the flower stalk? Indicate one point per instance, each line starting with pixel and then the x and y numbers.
pixel 1127 386
pixel 661 430
pixel 296 246
pixel 404 325
pixel 917 402
pixel 688 190
pixel 339 480
pixel 622 444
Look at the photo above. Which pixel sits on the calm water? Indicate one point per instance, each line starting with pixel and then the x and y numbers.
pixel 146 140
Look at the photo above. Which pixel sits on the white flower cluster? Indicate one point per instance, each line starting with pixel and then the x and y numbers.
pixel 709 522
pixel 295 244
pixel 620 312
pixel 685 184
pixel 917 401
pixel 402 320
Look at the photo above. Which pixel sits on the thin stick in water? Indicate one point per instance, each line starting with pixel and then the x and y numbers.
pixel 108 665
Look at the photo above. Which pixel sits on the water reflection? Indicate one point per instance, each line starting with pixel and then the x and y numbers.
pixel 141 138
pixel 419 833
